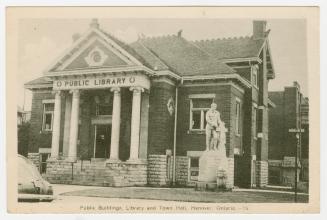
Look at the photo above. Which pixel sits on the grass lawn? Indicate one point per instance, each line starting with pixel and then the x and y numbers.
pixel 188 195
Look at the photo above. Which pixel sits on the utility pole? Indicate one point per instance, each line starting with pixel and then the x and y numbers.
pixel 298 130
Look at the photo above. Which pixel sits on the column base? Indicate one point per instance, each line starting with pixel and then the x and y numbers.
pixel 53 158
pixel 136 161
pixel 71 159
pixel 111 160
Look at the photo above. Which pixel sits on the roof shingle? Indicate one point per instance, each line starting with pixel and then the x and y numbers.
pixel 183 57
pixel 231 48
pixel 39 81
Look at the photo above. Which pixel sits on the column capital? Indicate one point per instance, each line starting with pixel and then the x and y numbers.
pixel 137 89
pixel 75 92
pixel 57 92
pixel 115 89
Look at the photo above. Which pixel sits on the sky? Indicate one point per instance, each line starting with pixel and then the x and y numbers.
pixel 41 41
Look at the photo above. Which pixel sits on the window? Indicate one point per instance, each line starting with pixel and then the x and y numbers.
pixel 255 75
pixel 43 162
pixel 193 168
pixel 255 117
pixel 238 117
pixel 199 105
pixel 48 109
pixel 103 109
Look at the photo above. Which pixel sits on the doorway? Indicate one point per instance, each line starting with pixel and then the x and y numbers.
pixel 102 141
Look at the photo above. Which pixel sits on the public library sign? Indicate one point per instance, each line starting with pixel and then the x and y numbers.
pixel 102 82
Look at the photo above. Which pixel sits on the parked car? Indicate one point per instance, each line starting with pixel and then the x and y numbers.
pixel 31 185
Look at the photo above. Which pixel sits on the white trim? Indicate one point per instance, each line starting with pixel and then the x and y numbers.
pixel 88 44
pixel 168 81
pixel 255 73
pixel 270 57
pixel 202 96
pixel 201 110
pixel 167 73
pixel 124 52
pixel 238 117
pixel 44 101
pixel 260 135
pixel 84 38
pixel 44 150
pixel 236 60
pixel 239 67
pixel 217 84
pixel 38 86
pixel 100 71
pixel 194 153
pixel 220 76
pixel 237 151
pixel 261 107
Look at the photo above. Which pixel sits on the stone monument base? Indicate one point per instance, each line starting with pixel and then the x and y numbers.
pixel 203 186
pixel 213 166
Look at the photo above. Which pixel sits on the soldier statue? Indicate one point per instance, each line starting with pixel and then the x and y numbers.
pixel 212 128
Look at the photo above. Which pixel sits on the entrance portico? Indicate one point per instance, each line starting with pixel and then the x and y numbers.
pixel 73 88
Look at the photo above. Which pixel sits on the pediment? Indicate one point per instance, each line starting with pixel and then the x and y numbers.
pixel 95 50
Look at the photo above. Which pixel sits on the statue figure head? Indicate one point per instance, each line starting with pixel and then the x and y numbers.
pixel 213 106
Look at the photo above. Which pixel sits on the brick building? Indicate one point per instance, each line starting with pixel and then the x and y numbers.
pixel 291 111
pixel 104 112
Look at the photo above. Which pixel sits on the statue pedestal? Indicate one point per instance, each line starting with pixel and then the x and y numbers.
pixel 213 166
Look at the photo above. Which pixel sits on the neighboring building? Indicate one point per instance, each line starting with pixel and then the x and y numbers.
pixel 22 131
pixel 104 112
pixel 22 116
pixel 291 112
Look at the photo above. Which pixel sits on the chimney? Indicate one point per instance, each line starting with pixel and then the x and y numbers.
pixel 259 29
pixel 179 33
pixel 296 84
pixel 76 36
pixel 94 23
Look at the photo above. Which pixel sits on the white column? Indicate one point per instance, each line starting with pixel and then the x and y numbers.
pixel 56 126
pixel 73 134
pixel 135 126
pixel 115 127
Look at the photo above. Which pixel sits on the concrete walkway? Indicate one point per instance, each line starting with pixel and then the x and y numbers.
pixel 70 192
pixel 62 188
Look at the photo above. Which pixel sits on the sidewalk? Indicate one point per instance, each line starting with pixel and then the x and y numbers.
pixel 180 194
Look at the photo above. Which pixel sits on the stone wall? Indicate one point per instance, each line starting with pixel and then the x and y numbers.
pixel 160 171
pixel 182 171
pixel 261 173
pixel 35 158
pixel 230 173
pixel 97 173
pixel 158 167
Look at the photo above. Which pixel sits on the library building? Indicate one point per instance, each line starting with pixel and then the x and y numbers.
pixel 109 113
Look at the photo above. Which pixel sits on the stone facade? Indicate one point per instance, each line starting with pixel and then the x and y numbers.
pixel 97 173
pixel 262 173
pixel 158 170
pixel 35 158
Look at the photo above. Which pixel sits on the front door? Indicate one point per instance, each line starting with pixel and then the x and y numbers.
pixel 102 141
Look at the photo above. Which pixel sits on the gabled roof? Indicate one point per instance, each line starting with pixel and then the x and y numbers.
pixel 180 55
pixel 232 48
pixel 95 37
pixel 127 48
pixel 41 82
